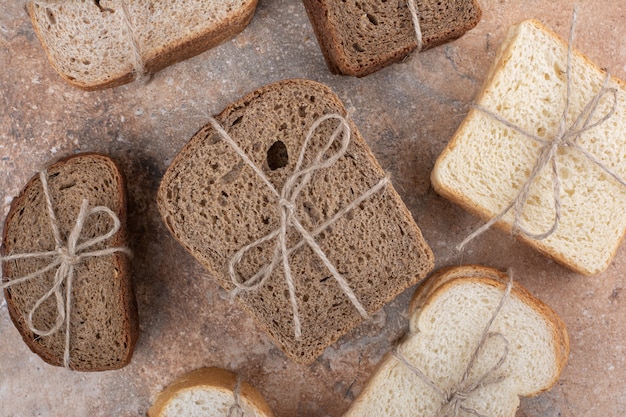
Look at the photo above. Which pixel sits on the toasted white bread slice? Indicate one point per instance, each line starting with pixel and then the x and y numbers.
pixel 92 44
pixel 487 163
pixel 448 315
pixel 209 392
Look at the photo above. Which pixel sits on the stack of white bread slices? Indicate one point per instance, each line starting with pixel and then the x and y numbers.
pixel 449 314
pixel 488 162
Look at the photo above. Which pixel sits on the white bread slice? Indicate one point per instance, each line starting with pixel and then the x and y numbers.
pixel 486 163
pixel 448 315
pixel 209 392
pixel 90 45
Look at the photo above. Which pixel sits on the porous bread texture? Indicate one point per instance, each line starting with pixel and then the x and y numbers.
pixel 90 45
pixel 208 392
pixel 214 205
pixel 359 37
pixel 486 163
pixel 448 315
pixel 103 321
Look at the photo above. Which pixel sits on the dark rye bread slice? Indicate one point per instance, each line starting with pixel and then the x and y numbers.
pixel 103 321
pixel 359 37
pixel 214 205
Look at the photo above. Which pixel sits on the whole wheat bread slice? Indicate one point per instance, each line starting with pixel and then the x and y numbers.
pixel 209 392
pixel 103 320
pixel 358 37
pixel 448 315
pixel 214 205
pixel 91 44
pixel 487 163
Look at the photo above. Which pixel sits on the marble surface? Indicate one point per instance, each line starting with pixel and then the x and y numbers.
pixel 407 113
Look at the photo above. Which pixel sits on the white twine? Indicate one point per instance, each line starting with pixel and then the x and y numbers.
pixel 64 257
pixel 454 399
pixel 235 409
pixel 416 24
pixel 287 207
pixel 565 137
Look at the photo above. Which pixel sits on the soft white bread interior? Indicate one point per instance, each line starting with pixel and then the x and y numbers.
pixel 208 392
pixel 90 43
pixel 486 163
pixel 448 316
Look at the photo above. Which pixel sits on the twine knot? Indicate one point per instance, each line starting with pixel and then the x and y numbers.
pixel 453 400
pixel 286 199
pixel 68 257
pixel 565 137
pixel 64 257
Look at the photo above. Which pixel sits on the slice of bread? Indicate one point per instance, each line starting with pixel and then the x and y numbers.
pixel 209 392
pixel 448 315
pixel 486 163
pixel 103 317
pixel 358 37
pixel 91 45
pixel 214 204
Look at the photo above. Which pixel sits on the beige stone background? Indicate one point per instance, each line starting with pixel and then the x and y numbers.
pixel 406 112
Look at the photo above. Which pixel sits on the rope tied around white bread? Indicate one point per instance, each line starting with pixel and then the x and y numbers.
pixel 64 257
pixel 286 199
pixel 565 137
pixel 455 398
pixel 235 409
pixel 139 68
pixel 416 24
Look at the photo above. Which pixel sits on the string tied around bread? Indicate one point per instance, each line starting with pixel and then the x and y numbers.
pixel 139 68
pixel 548 155
pixel 416 24
pixel 64 257
pixel 235 409
pixel 454 399
pixel 286 199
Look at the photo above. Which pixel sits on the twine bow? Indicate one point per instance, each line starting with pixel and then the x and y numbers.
pixel 455 398
pixel 64 257
pixel 287 198
pixel 565 137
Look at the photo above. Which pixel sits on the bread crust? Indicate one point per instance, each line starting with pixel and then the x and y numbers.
pixel 472 206
pixel 157 59
pixel 210 379
pixel 120 259
pixel 327 29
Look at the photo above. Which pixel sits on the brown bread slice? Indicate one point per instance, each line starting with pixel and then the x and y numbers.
pixel 103 320
pixel 359 37
pixel 214 205
pixel 90 45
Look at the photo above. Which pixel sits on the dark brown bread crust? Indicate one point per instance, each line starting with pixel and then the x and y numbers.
pixel 361 37
pixel 214 205
pixel 50 348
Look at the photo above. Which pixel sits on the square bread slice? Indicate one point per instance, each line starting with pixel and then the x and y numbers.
pixel 215 204
pixel 103 315
pixel 359 37
pixel 487 163
pixel 449 315
pixel 93 44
